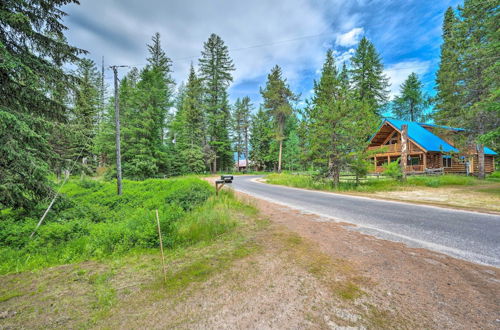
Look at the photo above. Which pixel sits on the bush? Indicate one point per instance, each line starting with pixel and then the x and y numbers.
pixel 393 170
pixel 90 221
pixel 495 176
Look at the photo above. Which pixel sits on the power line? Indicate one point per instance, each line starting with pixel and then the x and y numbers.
pixel 272 43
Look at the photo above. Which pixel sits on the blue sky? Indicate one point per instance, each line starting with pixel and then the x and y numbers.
pixel 294 34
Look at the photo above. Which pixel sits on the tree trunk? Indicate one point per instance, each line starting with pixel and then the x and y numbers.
pixel 238 162
pixel 480 160
pixel 214 169
pixel 336 176
pixel 279 156
pixel 246 150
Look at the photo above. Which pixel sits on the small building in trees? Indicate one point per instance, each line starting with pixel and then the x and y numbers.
pixel 430 147
pixel 241 165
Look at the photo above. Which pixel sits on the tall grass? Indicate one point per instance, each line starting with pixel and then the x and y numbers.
pixel 370 184
pixel 91 221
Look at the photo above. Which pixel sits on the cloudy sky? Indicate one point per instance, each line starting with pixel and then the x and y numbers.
pixel 294 34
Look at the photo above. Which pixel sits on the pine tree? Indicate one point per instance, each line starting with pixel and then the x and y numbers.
pixel 261 136
pixel 215 71
pixel 145 106
pixel 161 64
pixel 367 74
pixel 32 52
pixel 291 146
pixel 84 121
pixel 241 126
pixel 190 129
pixel 338 124
pixel 469 99
pixel 277 100
pixel 448 75
pixel 412 103
pixel 237 134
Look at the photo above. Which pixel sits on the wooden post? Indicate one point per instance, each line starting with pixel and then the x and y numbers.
pixel 404 150
pixel 425 161
pixel 161 248
pixel 375 164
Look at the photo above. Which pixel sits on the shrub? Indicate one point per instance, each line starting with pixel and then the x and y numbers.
pixel 393 170
pixel 90 221
pixel 494 175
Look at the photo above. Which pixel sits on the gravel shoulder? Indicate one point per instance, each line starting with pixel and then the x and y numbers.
pixel 433 289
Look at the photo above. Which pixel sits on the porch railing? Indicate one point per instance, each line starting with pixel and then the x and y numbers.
pixel 391 148
pixel 409 168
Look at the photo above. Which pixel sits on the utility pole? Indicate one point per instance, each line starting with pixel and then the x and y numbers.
pixel 102 90
pixel 117 131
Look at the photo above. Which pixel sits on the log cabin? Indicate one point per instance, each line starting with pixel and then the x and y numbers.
pixel 426 149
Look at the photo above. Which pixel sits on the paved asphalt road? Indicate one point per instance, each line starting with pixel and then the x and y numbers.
pixel 471 236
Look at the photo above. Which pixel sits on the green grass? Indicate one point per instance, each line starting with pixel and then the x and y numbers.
pixel 10 295
pixel 371 184
pixel 90 221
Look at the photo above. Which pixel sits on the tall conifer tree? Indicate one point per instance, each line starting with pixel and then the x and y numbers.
pixel 190 126
pixel 32 52
pixel 146 98
pixel 87 105
pixel 278 100
pixel 337 123
pixel 261 136
pixel 468 91
pixel 241 126
pixel 412 102
pixel 215 71
pixel 448 75
pixel 368 79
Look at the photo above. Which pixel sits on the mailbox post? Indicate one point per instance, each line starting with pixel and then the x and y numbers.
pixel 220 183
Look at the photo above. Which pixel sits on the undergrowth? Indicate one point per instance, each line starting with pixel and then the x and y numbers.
pixel 89 221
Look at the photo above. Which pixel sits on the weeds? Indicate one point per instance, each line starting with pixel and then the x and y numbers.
pixel 90 221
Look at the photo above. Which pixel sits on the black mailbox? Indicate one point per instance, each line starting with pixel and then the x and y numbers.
pixel 226 177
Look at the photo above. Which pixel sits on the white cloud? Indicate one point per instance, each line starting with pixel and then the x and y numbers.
pixel 398 73
pixel 350 38
pixel 343 57
pixel 294 35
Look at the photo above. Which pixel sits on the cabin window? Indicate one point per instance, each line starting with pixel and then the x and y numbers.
pixel 393 140
pixel 446 161
pixel 413 161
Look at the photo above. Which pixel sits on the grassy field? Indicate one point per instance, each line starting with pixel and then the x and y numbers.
pixel 89 221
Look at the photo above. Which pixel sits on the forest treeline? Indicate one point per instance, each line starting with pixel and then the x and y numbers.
pixel 54 120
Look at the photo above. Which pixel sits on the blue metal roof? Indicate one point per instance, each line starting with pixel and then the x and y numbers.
pixel 427 139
